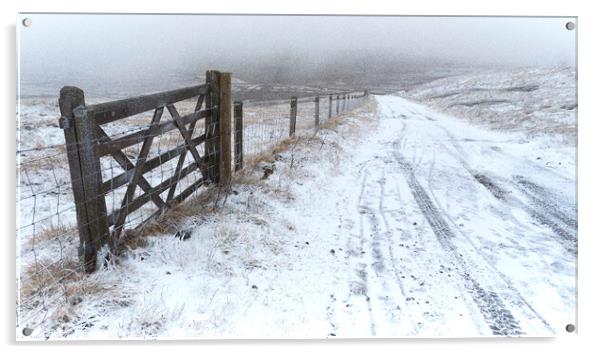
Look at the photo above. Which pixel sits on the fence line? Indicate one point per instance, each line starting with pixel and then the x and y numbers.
pixel 122 164
pixel 267 125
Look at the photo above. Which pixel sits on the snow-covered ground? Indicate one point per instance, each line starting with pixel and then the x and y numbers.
pixel 399 221
pixel 534 100
pixel 396 219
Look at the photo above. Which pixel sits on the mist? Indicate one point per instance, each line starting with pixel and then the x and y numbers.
pixel 117 55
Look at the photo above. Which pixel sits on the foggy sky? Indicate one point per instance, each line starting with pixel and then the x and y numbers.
pixel 116 49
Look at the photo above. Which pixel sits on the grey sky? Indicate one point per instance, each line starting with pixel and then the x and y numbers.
pixel 124 47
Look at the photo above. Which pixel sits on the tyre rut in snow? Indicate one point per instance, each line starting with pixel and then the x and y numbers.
pixel 547 210
pixel 497 191
pixel 497 316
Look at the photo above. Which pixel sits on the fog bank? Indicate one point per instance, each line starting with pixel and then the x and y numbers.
pixel 139 53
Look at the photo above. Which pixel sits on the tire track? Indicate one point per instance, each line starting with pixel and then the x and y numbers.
pixel 357 275
pixel 545 200
pixel 540 212
pixel 460 150
pixel 331 309
pixel 392 273
pixel 499 319
pixel 505 195
pixel 469 303
pixel 513 201
pixel 360 288
pixel 483 256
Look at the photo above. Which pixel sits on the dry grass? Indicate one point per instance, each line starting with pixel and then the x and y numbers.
pixel 246 176
pixel 48 276
pixel 270 156
pixel 54 290
pixel 52 232
pixel 332 123
pixel 170 221
pixel 57 158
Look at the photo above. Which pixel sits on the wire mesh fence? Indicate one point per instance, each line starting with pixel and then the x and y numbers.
pixel 267 123
pixel 48 231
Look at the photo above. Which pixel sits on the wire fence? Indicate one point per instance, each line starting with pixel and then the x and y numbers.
pixel 47 230
pixel 266 124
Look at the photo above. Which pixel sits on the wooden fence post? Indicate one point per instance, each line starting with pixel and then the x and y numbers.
pixel 338 105
pixel 293 118
pixel 317 112
pixel 86 177
pixel 238 130
pixel 329 106
pixel 212 127
pixel 225 129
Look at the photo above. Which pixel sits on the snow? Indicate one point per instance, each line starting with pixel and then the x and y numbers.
pixel 541 100
pixel 400 221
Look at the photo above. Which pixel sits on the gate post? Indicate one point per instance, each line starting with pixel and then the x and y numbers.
pixel 225 129
pixel 85 173
pixel 212 127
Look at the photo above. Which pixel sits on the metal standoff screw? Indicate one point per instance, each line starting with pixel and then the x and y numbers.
pixel 570 25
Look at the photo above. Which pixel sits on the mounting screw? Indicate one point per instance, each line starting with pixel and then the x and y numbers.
pixel 27 22
pixel 570 25
pixel 27 331
pixel 570 328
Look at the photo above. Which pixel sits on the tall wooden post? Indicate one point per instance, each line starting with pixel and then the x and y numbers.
pixel 317 113
pixel 293 117
pixel 211 127
pixel 225 129
pixel 338 105
pixel 329 106
pixel 238 136
pixel 86 177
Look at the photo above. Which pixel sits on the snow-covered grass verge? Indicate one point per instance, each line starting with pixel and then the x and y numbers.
pixel 535 101
pixel 235 269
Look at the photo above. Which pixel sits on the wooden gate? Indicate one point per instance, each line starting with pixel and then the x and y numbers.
pixel 89 143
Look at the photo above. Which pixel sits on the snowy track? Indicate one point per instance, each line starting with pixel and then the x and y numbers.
pixel 438 245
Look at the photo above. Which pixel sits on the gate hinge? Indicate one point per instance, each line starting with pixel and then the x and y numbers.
pixel 65 122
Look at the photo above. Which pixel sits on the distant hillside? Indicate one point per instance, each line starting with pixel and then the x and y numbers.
pixel 538 100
